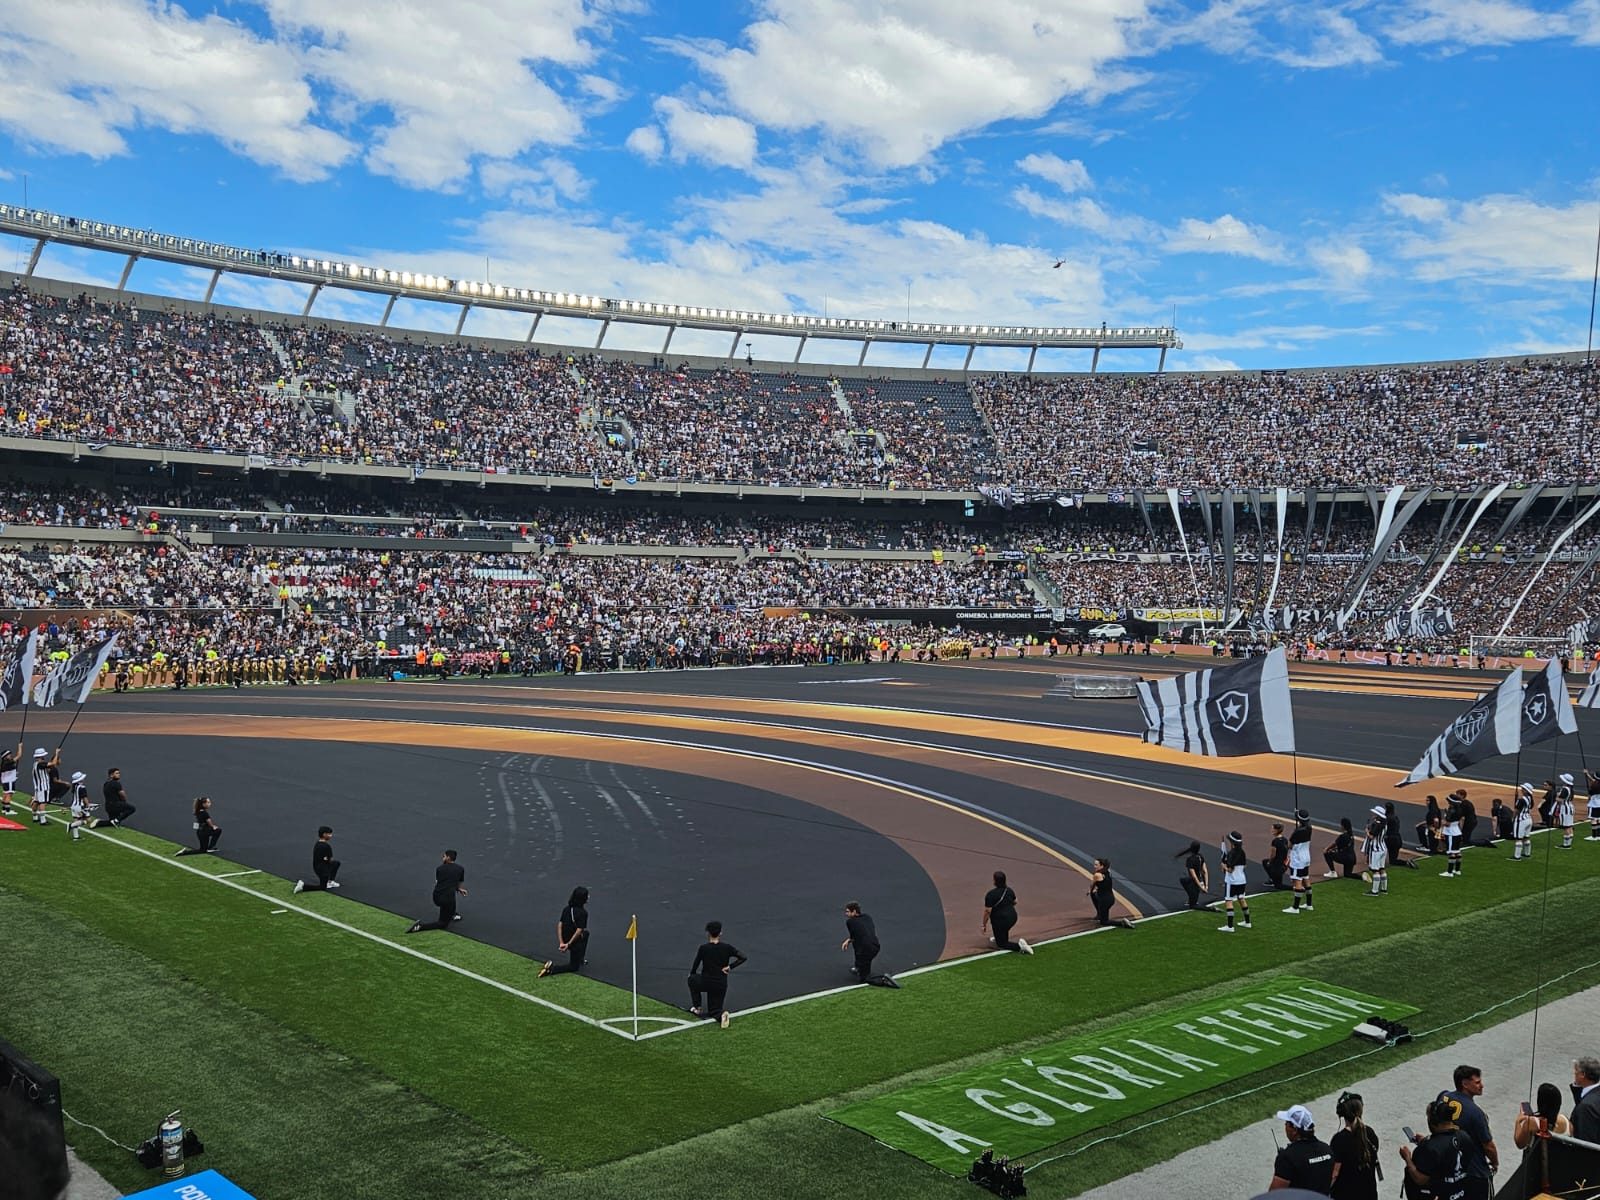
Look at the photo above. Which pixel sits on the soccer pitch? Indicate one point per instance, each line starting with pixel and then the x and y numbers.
pixel 333 1055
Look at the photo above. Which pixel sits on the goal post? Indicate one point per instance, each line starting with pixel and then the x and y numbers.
pixel 1515 649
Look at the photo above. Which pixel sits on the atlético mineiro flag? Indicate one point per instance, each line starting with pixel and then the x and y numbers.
pixel 19 673
pixel 1546 711
pixel 1222 711
pixel 74 679
pixel 1491 726
pixel 1590 696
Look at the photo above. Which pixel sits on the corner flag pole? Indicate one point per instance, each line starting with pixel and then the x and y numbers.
pixel 633 943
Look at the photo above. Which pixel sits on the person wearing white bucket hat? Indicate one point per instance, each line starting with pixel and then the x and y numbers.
pixel 80 806
pixel 1376 848
pixel 46 781
pixel 1563 811
pixel 1522 822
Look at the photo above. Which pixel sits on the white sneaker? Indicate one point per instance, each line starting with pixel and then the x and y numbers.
pixel 1224 928
pixel 333 884
pixel 1330 875
pixel 1293 912
pixel 1366 877
pixel 724 1019
pixel 1023 942
pixel 299 886
pixel 1447 874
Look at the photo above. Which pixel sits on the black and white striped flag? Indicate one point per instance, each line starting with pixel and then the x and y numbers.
pixel 1491 726
pixel 1222 711
pixel 1590 696
pixel 73 680
pixel 1546 711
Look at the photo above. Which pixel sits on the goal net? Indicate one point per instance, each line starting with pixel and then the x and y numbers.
pixel 1512 649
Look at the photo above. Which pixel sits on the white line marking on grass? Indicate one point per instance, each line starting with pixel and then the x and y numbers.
pixel 362 933
pixel 276 911
pixel 237 874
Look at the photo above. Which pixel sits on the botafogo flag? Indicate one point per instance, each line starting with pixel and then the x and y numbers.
pixel 1223 711
pixel 1546 712
pixel 1590 696
pixel 19 673
pixel 1491 726
pixel 74 679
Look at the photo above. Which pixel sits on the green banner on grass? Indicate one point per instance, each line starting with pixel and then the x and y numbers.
pixel 1021 1105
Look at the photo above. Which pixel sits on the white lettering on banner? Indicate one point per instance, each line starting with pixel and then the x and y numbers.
pixel 1019 1110
pixel 1322 1010
pixel 961 1143
pixel 1234 1014
pixel 1196 1031
pixel 1069 1105
pixel 1350 1006
pixel 1115 1071
pixel 1060 1076
pixel 1137 1063
pixel 1197 1065
pixel 1235 1029
pixel 1285 1015
pixel 189 1192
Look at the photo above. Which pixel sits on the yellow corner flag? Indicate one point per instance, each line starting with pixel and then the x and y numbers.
pixel 633 928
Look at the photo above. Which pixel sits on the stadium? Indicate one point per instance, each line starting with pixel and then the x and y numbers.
pixel 738 639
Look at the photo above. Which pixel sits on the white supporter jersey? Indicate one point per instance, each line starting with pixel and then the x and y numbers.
pixel 1299 855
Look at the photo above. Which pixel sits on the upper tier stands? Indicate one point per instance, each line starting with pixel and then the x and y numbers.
pixel 93 371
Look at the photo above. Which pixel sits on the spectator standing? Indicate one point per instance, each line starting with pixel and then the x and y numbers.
pixel 1586 1097
pixel 1300 861
pixel 1233 861
pixel 1483 1158
pixel 1437 1163
pixel 1541 1118
pixel 1355 1153
pixel 1307 1161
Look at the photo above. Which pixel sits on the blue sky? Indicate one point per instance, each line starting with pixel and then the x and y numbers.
pixel 1303 183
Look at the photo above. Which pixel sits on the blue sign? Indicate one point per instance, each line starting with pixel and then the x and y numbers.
pixel 207 1185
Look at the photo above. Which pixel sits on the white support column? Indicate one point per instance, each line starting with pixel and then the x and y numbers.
pixel 33 259
pixel 734 349
pixel 671 329
pixel 387 309
pixel 801 348
pixel 1162 365
pixel 1094 363
pixel 127 269
pixel 929 355
pixel 970 349
pixel 212 286
pixel 1032 354
pixel 316 290
pixel 604 326
pixel 532 328
pixel 461 321
pixel 866 345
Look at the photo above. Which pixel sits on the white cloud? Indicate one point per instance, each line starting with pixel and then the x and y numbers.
pixel 1226 235
pixel 542 185
pixel 456 82
pixel 1500 239
pixel 1200 362
pixel 1277 337
pixel 721 140
pixel 899 79
pixel 75 75
pixel 1475 23
pixel 1342 260
pixel 1307 35
pixel 1081 212
pixel 1068 175
pixel 647 142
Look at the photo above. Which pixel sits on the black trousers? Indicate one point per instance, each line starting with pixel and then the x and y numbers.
pixel 708 993
pixel 577 949
pixel 1275 869
pixel 1192 890
pixel 1347 860
pixel 327 871
pixel 1002 933
pixel 447 912
pixel 1102 902
pixel 119 810
pixel 864 957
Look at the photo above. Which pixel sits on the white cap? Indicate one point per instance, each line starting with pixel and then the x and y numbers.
pixel 1379 811
pixel 1527 787
pixel 41 752
pixel 1567 779
pixel 78 777
pixel 1299 1116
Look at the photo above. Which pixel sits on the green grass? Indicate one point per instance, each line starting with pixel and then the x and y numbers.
pixel 304 1051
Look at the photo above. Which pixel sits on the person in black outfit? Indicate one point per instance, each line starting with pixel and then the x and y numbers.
pixel 572 935
pixel 115 806
pixel 448 877
pixel 1429 829
pixel 323 864
pixel 1278 862
pixel 1000 913
pixel 1102 894
pixel 862 937
pixel 1342 851
pixel 1306 1162
pixel 708 975
pixel 206 831
pixel 1355 1153
pixel 1437 1164
pixel 1394 838
pixel 1586 1099
pixel 1195 879
pixel 1501 820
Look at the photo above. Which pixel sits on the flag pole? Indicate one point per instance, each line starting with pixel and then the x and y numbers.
pixel 633 942
pixel 70 724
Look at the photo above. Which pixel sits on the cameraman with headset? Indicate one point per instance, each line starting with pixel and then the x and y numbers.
pixel 1355 1153
pixel 1436 1169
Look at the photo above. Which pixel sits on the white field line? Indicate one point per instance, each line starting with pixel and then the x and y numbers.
pixel 226 881
pixel 237 874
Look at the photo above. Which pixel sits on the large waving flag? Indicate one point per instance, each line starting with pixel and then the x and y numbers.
pixel 1222 711
pixel 74 679
pixel 1491 726
pixel 1546 712
pixel 19 673
pixel 1590 696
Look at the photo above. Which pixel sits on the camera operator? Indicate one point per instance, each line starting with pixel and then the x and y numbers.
pixel 1436 1166
pixel 1306 1162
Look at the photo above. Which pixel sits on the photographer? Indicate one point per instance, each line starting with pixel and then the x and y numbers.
pixel 1436 1165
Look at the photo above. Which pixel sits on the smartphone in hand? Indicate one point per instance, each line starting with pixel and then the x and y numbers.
pixel 1527 1109
pixel 1410 1133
